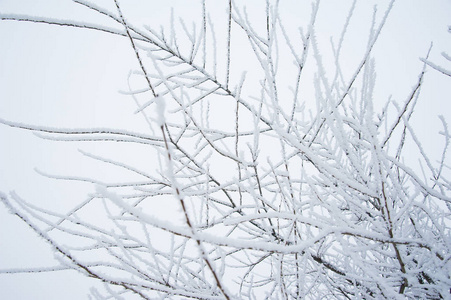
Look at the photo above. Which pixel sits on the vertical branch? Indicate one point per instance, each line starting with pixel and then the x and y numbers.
pixel 237 115
pixel 445 148
pixel 229 37
pixel 270 68
pixel 215 51
pixel 207 202
pixel 204 28
pixel 236 148
pixel 402 265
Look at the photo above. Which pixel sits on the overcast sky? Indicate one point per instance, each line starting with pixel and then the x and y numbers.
pixel 66 77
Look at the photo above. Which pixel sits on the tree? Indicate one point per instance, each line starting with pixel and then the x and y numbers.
pixel 274 189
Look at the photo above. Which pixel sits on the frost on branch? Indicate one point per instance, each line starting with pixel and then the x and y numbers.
pixel 276 172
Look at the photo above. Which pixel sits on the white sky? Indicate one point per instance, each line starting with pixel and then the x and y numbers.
pixel 64 77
